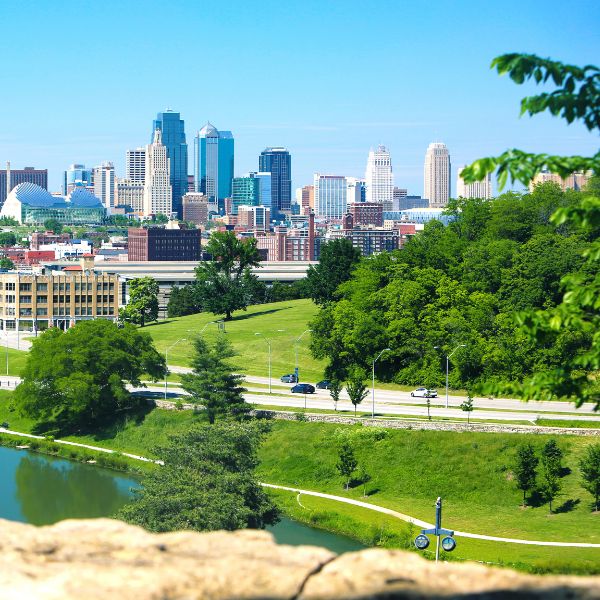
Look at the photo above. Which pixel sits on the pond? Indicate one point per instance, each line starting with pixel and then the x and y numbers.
pixel 41 490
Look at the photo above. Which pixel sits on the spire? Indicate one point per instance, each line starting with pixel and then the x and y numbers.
pixel 157 136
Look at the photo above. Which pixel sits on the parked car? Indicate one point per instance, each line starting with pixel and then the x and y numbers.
pixel 423 392
pixel 323 385
pixel 290 378
pixel 303 388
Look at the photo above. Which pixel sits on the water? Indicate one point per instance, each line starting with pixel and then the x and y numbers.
pixel 42 490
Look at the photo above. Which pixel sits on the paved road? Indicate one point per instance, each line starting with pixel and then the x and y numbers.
pixel 424 524
pixel 315 401
pixel 397 397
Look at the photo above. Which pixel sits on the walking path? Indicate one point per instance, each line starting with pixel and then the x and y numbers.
pixel 375 507
pixel 424 524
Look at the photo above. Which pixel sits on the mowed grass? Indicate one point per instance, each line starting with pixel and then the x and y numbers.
pixel 281 322
pixel 471 471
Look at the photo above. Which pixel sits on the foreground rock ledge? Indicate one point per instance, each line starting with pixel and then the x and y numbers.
pixel 107 559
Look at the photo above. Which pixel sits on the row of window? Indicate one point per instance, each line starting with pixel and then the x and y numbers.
pixel 10 286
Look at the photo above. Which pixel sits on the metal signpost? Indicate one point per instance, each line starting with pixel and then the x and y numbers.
pixel 448 543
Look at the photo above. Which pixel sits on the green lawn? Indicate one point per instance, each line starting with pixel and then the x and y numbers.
pixel 16 361
pixel 281 322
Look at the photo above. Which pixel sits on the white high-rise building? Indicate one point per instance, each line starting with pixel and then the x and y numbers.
pixel 479 189
pixel 131 194
pixel 436 186
pixel 330 196
pixel 355 190
pixel 158 194
pixel 105 185
pixel 379 177
pixel 135 164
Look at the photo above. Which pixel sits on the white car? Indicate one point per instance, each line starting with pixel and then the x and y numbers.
pixel 424 393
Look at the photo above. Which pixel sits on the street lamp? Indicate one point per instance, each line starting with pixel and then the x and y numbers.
pixel 269 344
pixel 448 357
pixel 373 388
pixel 296 349
pixel 167 362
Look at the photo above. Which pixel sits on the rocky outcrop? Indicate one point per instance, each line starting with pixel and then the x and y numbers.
pixel 99 559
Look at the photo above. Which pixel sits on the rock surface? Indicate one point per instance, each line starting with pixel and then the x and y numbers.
pixel 107 559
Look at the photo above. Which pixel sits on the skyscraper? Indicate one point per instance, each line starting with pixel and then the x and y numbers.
pixel 77 176
pixel 135 164
pixel 330 196
pixel 245 191
pixel 278 162
pixel 105 185
pixel 173 137
pixel 379 177
pixel 157 187
pixel 11 178
pixel 213 164
pixel 437 175
pixel 479 189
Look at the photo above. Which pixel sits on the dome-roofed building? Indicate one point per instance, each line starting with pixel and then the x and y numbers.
pixel 31 204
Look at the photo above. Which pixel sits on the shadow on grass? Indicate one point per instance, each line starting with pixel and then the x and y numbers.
pixel 256 314
pixel 157 323
pixel 567 506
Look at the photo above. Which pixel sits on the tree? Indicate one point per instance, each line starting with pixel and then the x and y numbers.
pixel 551 470
pixel 364 477
pixel 347 462
pixel 183 301
pixel 467 406
pixel 53 225
pixel 160 219
pixel 226 283
pixel 356 388
pixel 590 472
pixel 7 238
pixel 6 263
pixel 142 307
pixel 212 383
pixel 336 262
pixel 207 483
pixel 335 390
pixel 525 466
pixel 78 377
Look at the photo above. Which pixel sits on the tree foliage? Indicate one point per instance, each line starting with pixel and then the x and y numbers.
pixel 53 225
pixel 356 388
pixel 183 301
pixel 551 470
pixel 207 483
pixel 226 282
pixel 525 469
pixel 142 307
pixel 7 238
pixel 347 462
pixel 213 383
pixel 335 390
pixel 590 472
pixel 78 377
pixel 467 406
pixel 6 263
pixel 336 262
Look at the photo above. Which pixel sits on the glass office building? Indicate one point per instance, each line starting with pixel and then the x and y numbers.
pixel 213 164
pixel 245 191
pixel 172 128
pixel 77 176
pixel 278 162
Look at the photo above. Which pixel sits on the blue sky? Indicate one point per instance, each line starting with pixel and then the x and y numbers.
pixel 82 81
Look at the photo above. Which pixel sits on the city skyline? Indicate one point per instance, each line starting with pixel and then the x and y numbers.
pixel 420 96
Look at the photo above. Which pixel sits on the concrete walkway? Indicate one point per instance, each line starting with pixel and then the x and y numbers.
pixel 424 524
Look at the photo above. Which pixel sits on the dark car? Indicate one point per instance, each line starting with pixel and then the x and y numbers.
pixel 303 388
pixel 323 385
pixel 291 378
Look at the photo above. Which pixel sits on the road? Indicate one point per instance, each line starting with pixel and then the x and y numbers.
pixel 391 397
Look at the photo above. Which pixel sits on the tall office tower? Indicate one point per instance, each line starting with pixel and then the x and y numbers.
pixel 479 189
pixel 105 185
pixel 437 175
pixel 130 194
pixel 379 177
pixel 213 164
pixel 245 191
pixel 172 128
pixel 308 199
pixel 77 176
pixel 135 164
pixel 356 189
pixel 278 162
pixel 330 196
pixel 11 178
pixel 158 193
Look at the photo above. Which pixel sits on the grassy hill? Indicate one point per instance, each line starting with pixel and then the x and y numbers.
pixel 281 322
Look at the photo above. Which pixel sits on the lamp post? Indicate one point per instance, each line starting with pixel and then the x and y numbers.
pixel 448 357
pixel 269 344
pixel 296 349
pixel 373 388
pixel 167 362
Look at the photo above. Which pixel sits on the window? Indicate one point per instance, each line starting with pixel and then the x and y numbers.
pixel 89 299
pixel 25 299
pixel 10 298
pixel 77 311
pixel 24 287
pixel 89 310
pixel 67 287
pixel 41 299
pixel 42 287
pixel 25 312
pixel 10 286
pixel 77 286
pixel 68 299
pixel 10 311
pixel 98 299
pixel 41 312
pixel 55 287
pixel 77 299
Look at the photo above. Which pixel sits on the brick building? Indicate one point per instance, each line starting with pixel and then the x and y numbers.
pixel 367 213
pixel 164 244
